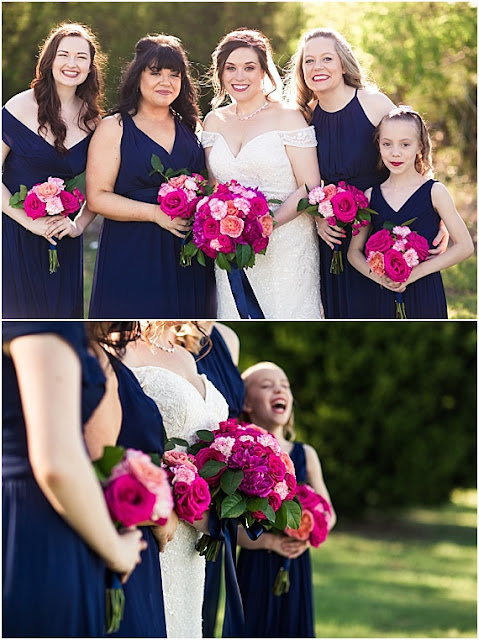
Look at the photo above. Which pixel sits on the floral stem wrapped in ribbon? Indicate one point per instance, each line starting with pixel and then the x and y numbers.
pixel 392 252
pixel 314 527
pixel 55 196
pixel 342 205
pixel 137 490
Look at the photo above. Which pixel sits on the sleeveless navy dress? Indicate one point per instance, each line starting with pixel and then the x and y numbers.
pixel 53 583
pixel 141 428
pixel 224 374
pixel 290 615
pixel 29 290
pixel 425 298
pixel 346 151
pixel 137 270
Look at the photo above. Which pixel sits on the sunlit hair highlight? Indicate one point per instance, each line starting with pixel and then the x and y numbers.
pixel 45 92
pixel 237 39
pixel 298 93
pixel 159 51
pixel 114 334
pixel 288 427
pixel 404 113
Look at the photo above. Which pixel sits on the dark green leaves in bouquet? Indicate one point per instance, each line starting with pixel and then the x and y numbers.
pixel 262 504
pixel 233 506
pixel 172 442
pixel 222 262
pixel 16 201
pixel 302 204
pixel 293 513
pixel 211 468
pixel 205 435
pixel 78 182
pixel 104 465
pixel 231 480
pixel 244 252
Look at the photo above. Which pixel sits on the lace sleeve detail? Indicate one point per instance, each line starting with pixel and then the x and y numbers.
pixel 305 137
pixel 208 138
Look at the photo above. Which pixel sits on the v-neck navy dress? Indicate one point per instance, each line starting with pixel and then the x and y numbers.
pixel 425 298
pixel 137 271
pixel 53 582
pixel 346 151
pixel 290 615
pixel 29 289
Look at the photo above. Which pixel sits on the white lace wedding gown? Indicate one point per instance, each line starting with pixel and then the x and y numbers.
pixel 184 411
pixel 286 279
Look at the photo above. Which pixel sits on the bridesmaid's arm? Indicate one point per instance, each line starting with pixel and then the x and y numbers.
pixel 52 412
pixel 279 543
pixel 60 226
pixel 101 174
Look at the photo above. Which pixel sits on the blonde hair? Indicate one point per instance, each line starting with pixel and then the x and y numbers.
pixel 298 93
pixel 193 336
pixel 423 162
pixel 288 428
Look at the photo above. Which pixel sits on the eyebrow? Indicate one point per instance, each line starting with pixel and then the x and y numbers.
pixel 233 63
pixel 67 51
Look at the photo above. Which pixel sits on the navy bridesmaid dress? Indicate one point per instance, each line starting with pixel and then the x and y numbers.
pixel 137 270
pixel 53 583
pixel 29 289
pixel 290 615
pixel 141 428
pixel 346 151
pixel 425 298
pixel 224 374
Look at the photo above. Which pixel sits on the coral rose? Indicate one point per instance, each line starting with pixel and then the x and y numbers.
pixel 231 226
pixel 306 526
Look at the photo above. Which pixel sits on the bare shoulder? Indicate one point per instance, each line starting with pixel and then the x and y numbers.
pixel 110 127
pixel 440 195
pixel 375 104
pixel 23 105
pixel 231 339
pixel 216 119
pixel 311 454
pixel 288 117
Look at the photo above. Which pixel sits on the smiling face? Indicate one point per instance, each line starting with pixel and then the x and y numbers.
pixel 243 76
pixel 72 61
pixel 160 87
pixel 399 145
pixel 268 399
pixel 322 67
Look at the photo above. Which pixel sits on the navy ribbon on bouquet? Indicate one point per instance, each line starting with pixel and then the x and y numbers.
pixel 246 302
pixel 227 531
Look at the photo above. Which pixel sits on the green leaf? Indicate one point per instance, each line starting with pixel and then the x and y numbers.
pixel 200 256
pixel 169 446
pixel 78 182
pixel 243 255
pixel 156 459
pixel 231 480
pixel 302 204
pixel 190 249
pixel 205 435
pixel 293 513
pixel 408 222
pixel 222 262
pixel 111 456
pixel 233 506
pixel 281 521
pixel 257 504
pixel 195 448
pixel 156 164
pixel 179 441
pixel 211 468
pixel 274 201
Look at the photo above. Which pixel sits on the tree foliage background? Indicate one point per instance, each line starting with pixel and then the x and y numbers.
pixel 390 407
pixel 419 53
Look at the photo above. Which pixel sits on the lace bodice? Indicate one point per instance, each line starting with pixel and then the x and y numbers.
pixel 286 279
pixel 184 411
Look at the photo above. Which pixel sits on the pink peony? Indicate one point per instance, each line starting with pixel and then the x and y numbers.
pixel 129 501
pixel 395 267
pixel 70 202
pixel 379 241
pixel 34 207
pixel 231 226
pixel 344 206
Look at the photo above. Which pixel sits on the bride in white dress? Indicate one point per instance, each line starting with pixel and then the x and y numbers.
pixel 188 402
pixel 262 143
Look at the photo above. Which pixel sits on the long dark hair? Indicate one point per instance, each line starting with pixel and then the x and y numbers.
pixel 159 51
pixel 114 334
pixel 44 89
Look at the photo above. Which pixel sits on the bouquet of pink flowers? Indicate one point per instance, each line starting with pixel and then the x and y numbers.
pixel 230 226
pixel 393 252
pixel 190 492
pixel 250 478
pixel 55 196
pixel 342 205
pixel 314 527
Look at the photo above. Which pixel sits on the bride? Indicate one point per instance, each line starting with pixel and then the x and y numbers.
pixel 188 402
pixel 261 143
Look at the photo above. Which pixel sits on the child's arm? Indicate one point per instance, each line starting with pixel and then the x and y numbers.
pixel 462 247
pixel 314 477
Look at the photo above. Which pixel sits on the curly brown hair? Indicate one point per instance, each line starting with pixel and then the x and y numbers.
pixel 45 92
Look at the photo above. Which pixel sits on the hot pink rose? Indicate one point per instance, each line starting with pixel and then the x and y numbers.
pixel 320 532
pixel 211 229
pixel 34 207
pixel 395 267
pixel 223 244
pixel 379 241
pixel 129 501
pixel 231 226
pixel 70 203
pixel 192 500
pixel 419 244
pixel 260 244
pixel 258 206
pixel 266 222
pixel 274 501
pixel 79 195
pixel 344 206
pixel 206 454
pixel 175 204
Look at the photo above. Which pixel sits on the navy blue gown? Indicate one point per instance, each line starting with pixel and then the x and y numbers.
pixel 224 374
pixel 29 289
pixel 137 270
pixel 141 428
pixel 425 298
pixel 346 151
pixel 290 615
pixel 53 583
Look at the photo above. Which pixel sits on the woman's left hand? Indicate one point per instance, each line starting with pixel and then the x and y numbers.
pixel 441 241
pixel 61 226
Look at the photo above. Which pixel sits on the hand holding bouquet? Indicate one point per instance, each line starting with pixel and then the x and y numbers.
pixel 392 252
pixel 50 198
pixel 342 205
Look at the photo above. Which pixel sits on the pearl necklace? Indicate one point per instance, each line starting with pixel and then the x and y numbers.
pixel 170 349
pixel 263 106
